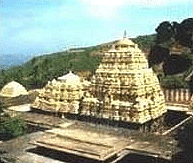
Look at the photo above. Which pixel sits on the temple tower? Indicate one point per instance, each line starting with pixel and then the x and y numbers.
pixel 123 87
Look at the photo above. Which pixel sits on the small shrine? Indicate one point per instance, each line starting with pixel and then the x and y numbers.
pixel 62 95
pixel 123 87
pixel 14 94
pixel 13 89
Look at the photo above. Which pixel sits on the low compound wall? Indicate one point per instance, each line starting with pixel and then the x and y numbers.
pixel 177 95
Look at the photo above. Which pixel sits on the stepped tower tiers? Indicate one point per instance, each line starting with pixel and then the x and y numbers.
pixel 62 95
pixel 124 88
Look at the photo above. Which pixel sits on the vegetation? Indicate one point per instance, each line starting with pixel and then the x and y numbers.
pixel 176 32
pixel 145 42
pixel 178 37
pixel 10 127
pixel 1 108
pixel 39 70
pixel 184 137
pixel 36 72
pixel 173 82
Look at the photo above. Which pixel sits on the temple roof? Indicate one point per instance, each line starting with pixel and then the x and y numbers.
pixel 13 89
pixel 124 41
pixel 70 78
pixel 70 75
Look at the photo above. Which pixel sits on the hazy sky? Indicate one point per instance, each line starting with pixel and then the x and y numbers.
pixel 40 26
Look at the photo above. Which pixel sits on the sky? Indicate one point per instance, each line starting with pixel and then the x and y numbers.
pixel 30 27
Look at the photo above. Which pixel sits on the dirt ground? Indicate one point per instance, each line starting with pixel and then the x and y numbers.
pixel 19 149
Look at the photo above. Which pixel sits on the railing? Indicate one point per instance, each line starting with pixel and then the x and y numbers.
pixel 177 95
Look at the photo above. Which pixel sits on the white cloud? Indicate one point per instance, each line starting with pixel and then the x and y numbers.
pixel 109 8
pixel 103 2
pixel 103 11
pixel 130 2
pixel 102 8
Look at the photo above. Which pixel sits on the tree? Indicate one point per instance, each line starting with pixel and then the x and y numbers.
pixel 1 108
pixel 33 61
pixel 185 33
pixel 164 32
pixel 182 32
pixel 157 55
pixel 176 64
pixel 169 32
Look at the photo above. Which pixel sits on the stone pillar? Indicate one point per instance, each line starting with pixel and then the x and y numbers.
pixel 182 95
pixel 167 94
pixel 172 95
pixel 177 95
pixel 187 95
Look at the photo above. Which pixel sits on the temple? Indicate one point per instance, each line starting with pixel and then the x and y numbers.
pixel 14 95
pixel 123 87
pixel 62 95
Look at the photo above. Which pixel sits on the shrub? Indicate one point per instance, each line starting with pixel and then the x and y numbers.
pixel 173 82
pixel 12 126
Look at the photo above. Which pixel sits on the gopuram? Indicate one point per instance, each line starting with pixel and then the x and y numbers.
pixel 124 88
pixel 62 95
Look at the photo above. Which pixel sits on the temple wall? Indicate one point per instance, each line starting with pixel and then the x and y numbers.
pixel 125 88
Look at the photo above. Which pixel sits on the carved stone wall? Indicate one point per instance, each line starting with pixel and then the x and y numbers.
pixel 124 88
pixel 62 95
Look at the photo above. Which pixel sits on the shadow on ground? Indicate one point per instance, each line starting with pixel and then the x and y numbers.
pixel 184 136
pixel 137 158
pixel 61 156
pixel 70 158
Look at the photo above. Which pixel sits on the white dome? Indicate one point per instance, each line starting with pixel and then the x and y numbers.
pixel 13 89
pixel 70 79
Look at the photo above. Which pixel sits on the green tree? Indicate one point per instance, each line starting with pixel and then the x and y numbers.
pixel 164 32
pixel 13 126
pixel 181 32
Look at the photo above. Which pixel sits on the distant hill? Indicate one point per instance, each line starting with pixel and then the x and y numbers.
pixel 9 60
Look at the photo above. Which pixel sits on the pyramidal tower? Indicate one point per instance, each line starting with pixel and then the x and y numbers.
pixel 123 87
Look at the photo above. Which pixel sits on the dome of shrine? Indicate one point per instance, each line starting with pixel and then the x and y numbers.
pixel 70 79
pixel 13 89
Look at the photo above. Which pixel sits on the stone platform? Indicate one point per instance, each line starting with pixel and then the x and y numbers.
pixel 86 144
pixel 96 143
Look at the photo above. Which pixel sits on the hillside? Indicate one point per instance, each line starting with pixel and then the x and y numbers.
pixel 39 70
pixel 36 72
